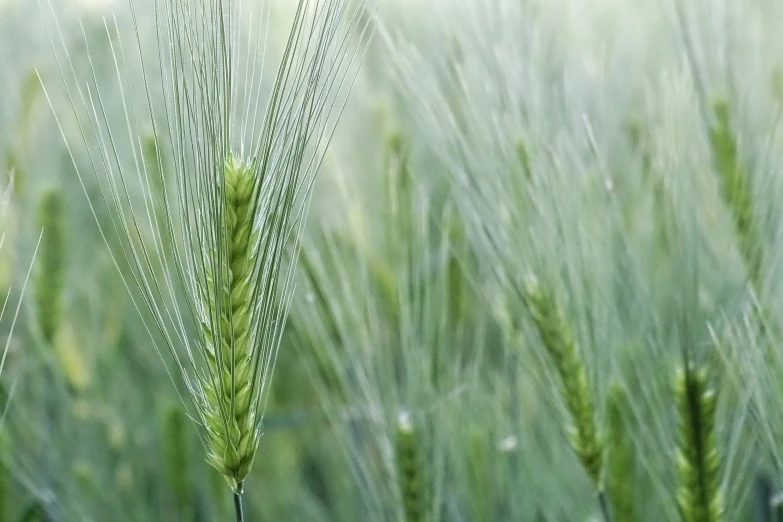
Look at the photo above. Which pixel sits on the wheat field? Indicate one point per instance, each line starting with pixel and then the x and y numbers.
pixel 391 260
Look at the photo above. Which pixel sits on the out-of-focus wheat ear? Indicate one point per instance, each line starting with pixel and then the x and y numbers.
pixel 640 143
pixel 524 159
pixel 479 476
pixel 410 477
pixel 23 132
pixel 457 283
pixel 49 271
pixel 400 188
pixel 698 461
pixel 736 190
pixel 620 466
pixel 557 339
pixel 48 284
pixel 176 462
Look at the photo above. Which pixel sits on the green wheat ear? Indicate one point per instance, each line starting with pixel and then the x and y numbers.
pixel 411 480
pixel 558 341
pixel 479 476
pixel 524 159
pixel 735 189
pixel 620 462
pixel 49 272
pixel 231 412
pixel 699 495
pixel 176 457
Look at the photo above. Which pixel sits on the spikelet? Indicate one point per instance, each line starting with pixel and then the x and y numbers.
pixel 560 346
pixel 49 269
pixel 619 459
pixel 735 189
pixel 411 481
pixel 231 413
pixel 697 455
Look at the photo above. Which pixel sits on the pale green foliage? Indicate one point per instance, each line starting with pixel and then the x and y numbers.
pixel 386 325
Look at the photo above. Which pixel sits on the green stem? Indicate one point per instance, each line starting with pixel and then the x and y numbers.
pixel 240 516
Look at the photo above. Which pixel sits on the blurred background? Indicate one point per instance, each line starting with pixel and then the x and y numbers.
pixel 626 155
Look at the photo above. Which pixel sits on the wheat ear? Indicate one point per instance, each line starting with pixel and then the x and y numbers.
pixel 230 418
pixel 558 341
pixel 49 273
pixel 735 189
pixel 409 470
pixel 620 461
pixel 215 278
pixel 697 455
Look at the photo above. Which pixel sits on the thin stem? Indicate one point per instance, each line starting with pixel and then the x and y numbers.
pixel 240 516
pixel 604 503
